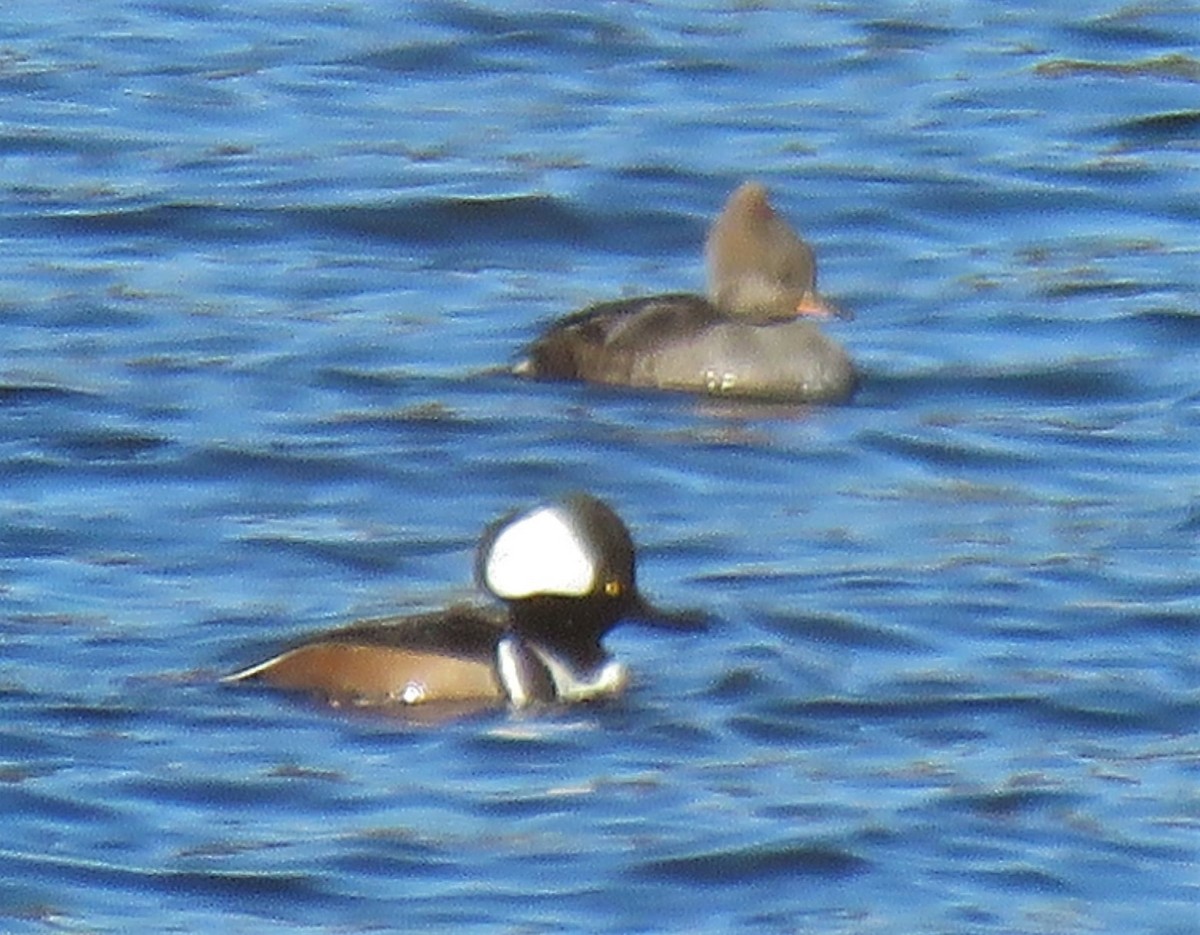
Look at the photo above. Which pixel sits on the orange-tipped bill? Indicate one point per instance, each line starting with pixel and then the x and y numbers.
pixel 817 306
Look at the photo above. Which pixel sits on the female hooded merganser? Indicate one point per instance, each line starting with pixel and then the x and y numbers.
pixel 752 336
pixel 565 572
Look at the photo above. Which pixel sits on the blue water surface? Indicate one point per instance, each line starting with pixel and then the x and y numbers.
pixel 262 267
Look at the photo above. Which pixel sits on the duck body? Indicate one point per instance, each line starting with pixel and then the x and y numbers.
pixel 753 335
pixel 564 573
pixel 447 656
pixel 681 341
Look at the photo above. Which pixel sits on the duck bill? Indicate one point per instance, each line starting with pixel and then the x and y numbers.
pixel 813 305
pixel 681 621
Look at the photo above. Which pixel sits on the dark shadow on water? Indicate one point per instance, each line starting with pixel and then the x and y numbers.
pixel 742 866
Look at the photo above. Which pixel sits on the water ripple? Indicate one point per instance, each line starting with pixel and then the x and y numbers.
pixel 264 272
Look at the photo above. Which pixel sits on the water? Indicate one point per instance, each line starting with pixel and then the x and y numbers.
pixel 260 264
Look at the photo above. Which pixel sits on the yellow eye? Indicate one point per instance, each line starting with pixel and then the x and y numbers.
pixel 612 587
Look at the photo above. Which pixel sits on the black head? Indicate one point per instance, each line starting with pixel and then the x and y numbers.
pixel 574 548
pixel 566 570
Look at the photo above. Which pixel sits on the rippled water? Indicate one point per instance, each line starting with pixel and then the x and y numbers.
pixel 261 266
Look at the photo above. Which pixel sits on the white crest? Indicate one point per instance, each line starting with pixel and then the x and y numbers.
pixel 540 553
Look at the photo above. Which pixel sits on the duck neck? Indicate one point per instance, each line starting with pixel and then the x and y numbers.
pixel 569 629
pixel 553 650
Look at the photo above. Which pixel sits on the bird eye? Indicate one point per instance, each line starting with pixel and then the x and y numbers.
pixel 612 587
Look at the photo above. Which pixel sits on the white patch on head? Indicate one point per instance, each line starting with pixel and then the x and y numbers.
pixel 539 553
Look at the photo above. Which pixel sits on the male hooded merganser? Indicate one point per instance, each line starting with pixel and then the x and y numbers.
pixel 753 336
pixel 565 572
